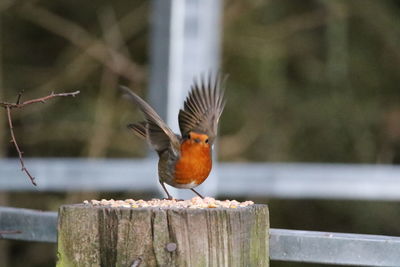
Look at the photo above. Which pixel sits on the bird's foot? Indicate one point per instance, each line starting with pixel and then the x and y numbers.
pixel 197 193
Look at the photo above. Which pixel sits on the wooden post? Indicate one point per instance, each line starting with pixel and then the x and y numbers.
pixel 105 236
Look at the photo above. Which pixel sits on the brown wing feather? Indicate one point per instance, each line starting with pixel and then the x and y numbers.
pixel 159 135
pixel 203 107
pixel 139 129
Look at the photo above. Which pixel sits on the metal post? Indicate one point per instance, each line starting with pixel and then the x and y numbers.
pixel 185 43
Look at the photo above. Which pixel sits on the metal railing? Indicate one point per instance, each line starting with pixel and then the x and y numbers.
pixel 285 245
pixel 283 180
pixel 236 179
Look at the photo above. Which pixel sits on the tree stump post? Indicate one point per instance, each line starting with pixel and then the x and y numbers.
pixel 105 236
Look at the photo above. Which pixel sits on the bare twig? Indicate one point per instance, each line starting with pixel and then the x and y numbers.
pixel 19 97
pixel 10 232
pixel 9 106
pixel 23 168
pixel 42 100
pixel 2 90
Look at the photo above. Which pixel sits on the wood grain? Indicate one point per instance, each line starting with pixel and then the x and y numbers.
pixel 103 236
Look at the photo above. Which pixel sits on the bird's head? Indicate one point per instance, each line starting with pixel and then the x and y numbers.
pixel 197 138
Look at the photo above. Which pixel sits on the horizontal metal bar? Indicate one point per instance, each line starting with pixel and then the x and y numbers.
pixel 28 225
pixel 283 180
pixel 285 245
pixel 311 180
pixel 53 174
pixel 334 248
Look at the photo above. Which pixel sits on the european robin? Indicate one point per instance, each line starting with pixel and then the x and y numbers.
pixel 185 160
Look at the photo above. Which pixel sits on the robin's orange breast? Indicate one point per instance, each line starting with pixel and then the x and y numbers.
pixel 194 164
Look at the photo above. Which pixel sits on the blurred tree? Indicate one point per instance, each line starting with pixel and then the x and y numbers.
pixel 319 76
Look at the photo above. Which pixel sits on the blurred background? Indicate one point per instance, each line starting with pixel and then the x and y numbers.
pixel 309 81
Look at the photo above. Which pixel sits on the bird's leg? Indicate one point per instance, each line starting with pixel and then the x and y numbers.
pixel 197 193
pixel 166 191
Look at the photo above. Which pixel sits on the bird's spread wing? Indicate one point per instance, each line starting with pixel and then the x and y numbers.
pixel 158 134
pixel 139 128
pixel 203 107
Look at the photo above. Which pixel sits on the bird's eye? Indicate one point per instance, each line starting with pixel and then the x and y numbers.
pixel 206 141
pixel 188 136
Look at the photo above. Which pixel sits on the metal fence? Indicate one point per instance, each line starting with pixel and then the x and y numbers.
pixel 283 180
pixel 235 179
pixel 285 245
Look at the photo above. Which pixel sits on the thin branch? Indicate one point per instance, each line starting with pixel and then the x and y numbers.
pixel 9 106
pixel 14 141
pixel 9 232
pixel 19 97
pixel 42 100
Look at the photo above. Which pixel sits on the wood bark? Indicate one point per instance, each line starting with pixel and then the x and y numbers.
pixel 104 236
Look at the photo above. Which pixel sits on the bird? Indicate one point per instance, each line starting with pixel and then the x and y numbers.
pixel 185 159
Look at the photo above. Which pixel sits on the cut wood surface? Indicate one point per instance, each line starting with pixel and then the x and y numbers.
pixel 104 236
